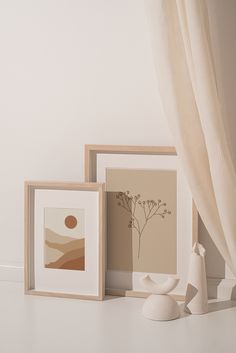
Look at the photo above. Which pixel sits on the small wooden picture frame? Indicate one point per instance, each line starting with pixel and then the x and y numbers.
pixel 65 239
pixel 121 168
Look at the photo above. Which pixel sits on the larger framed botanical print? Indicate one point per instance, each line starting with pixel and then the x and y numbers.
pixel 64 239
pixel 151 218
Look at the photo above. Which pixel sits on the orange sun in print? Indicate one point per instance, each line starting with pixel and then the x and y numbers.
pixel 71 222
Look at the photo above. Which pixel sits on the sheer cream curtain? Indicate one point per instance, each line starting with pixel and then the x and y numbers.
pixel 188 90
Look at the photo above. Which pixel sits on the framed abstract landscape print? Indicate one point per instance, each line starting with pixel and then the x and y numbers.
pixel 64 239
pixel 151 219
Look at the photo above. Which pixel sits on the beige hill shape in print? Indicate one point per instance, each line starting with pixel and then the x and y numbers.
pixel 64 252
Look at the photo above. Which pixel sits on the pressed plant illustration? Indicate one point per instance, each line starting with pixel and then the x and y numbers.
pixel 150 208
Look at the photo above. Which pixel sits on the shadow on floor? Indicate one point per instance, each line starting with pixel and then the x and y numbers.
pixel 222 305
pixel 183 313
pixel 212 307
pixel 111 297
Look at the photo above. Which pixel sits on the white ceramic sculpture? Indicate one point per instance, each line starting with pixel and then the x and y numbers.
pixel 159 305
pixel 196 301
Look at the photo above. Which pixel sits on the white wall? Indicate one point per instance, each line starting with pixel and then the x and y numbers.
pixel 71 72
pixel 81 71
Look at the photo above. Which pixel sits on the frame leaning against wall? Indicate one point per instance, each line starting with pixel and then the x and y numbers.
pixel 92 153
pixel 33 222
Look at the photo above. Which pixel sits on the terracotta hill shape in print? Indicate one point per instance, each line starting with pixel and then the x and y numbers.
pixel 63 252
pixel 53 237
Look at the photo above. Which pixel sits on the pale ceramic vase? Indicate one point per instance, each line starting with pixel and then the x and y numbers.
pixel 159 305
pixel 196 301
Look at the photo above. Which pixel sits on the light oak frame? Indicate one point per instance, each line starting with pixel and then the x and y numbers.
pixel 30 187
pixel 90 162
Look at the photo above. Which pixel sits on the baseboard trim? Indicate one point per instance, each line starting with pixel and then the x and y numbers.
pixel 224 288
pixel 11 273
pixel 217 287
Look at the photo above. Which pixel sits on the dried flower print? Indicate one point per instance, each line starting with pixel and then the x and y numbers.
pixel 150 208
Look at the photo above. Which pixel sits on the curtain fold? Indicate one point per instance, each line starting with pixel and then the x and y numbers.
pixel 188 89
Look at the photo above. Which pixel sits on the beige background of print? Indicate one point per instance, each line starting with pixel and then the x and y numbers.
pixel 159 240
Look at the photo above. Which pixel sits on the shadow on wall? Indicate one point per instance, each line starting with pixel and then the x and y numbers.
pixel 215 264
pixel 233 293
pixel 221 288
pixel 215 268
pixel 223 28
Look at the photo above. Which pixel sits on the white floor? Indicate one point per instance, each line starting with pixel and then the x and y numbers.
pixel 30 324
